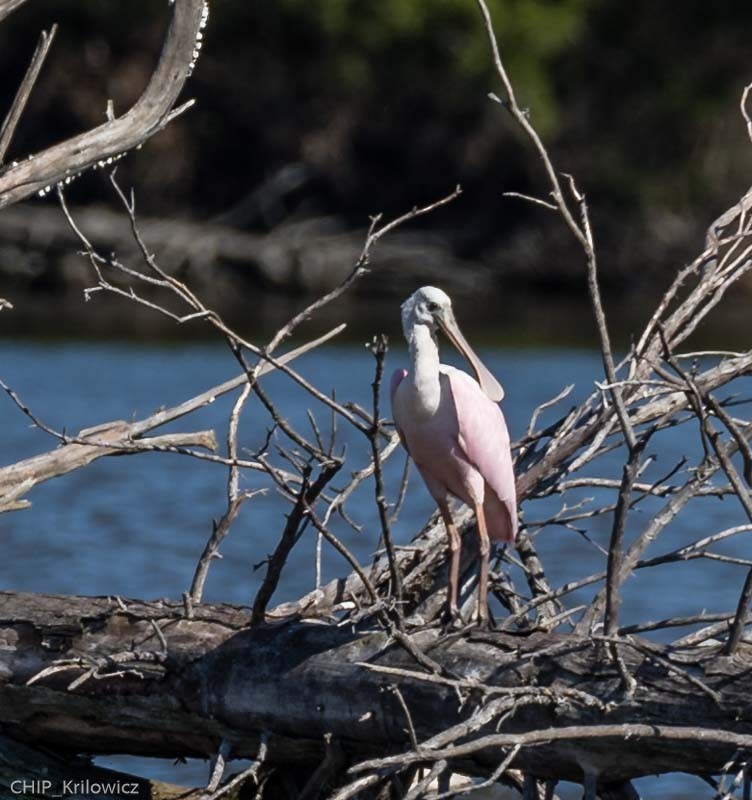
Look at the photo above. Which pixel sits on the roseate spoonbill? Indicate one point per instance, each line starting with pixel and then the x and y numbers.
pixel 454 431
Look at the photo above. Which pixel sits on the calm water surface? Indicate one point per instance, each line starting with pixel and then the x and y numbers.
pixel 135 525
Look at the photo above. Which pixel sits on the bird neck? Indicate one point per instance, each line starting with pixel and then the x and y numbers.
pixel 424 375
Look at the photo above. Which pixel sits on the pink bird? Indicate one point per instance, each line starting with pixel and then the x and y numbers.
pixel 454 431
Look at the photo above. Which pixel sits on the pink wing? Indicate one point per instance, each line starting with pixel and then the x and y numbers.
pixel 484 439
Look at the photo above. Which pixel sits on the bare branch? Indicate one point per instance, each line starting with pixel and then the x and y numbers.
pixel 24 90
pixel 118 436
pixel 361 265
pixel 379 350
pixel 613 582
pixel 117 136
pixel 296 522
pixel 8 6
pixel 740 619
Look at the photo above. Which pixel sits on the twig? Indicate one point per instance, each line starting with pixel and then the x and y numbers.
pixel 565 392
pixel 417 791
pixel 296 521
pixel 360 268
pixel 342 550
pixel 219 532
pixel 408 716
pixel 657 524
pixel 604 733
pixel 125 437
pixel 740 619
pixel 492 779
pixel 743 107
pixel 234 501
pixel 379 349
pixel 669 665
pixel 250 773
pixel 616 546
pixel 629 684
pixel 358 477
pixel 24 90
pixel 402 494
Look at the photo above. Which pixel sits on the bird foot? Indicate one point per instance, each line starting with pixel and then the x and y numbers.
pixel 483 622
pixel 452 621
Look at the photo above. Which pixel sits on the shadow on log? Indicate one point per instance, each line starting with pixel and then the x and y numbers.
pixel 100 675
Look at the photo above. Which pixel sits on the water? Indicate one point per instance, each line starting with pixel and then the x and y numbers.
pixel 135 525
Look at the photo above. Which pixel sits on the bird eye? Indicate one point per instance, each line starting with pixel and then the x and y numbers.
pixel 433 307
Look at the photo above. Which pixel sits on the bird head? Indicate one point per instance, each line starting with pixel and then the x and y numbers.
pixel 423 308
pixel 431 307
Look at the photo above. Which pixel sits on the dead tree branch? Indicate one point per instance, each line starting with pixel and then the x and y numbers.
pixel 24 90
pixel 153 110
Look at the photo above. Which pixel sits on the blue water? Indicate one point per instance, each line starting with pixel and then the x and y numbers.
pixel 135 525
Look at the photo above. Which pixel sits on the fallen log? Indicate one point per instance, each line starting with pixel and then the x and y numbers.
pixel 103 675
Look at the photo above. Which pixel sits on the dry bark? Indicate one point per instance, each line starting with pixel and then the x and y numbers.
pixel 7 6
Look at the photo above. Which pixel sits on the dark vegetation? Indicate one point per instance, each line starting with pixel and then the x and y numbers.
pixel 338 110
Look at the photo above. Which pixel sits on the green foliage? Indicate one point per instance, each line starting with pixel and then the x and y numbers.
pixel 368 45
pixel 385 103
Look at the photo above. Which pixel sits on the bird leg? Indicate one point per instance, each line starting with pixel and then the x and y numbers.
pixel 455 546
pixel 484 546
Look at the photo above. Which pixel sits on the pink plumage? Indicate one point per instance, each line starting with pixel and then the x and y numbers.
pixel 454 430
pixel 463 450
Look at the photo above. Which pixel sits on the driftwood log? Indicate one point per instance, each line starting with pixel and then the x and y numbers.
pixel 103 675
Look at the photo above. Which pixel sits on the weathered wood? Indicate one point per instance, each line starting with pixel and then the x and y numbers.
pixel 7 6
pixel 112 439
pixel 10 122
pixel 298 682
pixel 151 112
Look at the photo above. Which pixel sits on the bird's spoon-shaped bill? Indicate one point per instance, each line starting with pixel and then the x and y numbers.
pixel 490 386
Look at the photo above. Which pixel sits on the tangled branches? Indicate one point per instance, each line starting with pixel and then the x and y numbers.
pixel 516 715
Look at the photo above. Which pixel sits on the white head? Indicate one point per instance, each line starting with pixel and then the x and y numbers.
pixel 421 309
pixel 431 307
